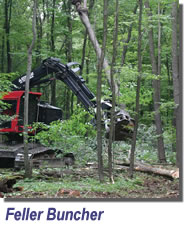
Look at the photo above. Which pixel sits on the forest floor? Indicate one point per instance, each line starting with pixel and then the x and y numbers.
pixel 82 183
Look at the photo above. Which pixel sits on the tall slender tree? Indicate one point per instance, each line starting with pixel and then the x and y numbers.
pixel 156 87
pixel 175 71
pixel 8 13
pixel 99 93
pixel 69 96
pixel 126 42
pixel 133 146
pixel 112 77
pixel 91 4
pixel 52 42
pixel 28 169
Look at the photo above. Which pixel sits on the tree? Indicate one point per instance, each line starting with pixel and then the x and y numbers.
pixel 99 93
pixel 175 74
pixel 126 42
pixel 26 100
pixel 8 14
pixel 112 119
pixel 52 41
pixel 133 146
pixel 156 94
pixel 69 95
pixel 91 4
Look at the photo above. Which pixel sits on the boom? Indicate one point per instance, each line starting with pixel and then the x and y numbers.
pixel 62 72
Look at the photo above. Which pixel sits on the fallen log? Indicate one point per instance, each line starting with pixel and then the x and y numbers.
pixel 143 167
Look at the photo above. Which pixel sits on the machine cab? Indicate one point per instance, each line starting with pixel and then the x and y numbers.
pixel 15 110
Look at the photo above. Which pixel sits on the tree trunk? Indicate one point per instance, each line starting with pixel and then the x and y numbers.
pixel 28 169
pixel 175 71
pixel 64 102
pixel 112 119
pixel 72 104
pixel 156 95
pixel 91 4
pixel 99 92
pixel 159 39
pixel 126 42
pixel 133 146
pixel 53 84
pixel 39 27
pixel 48 22
pixel 180 112
pixel 68 101
pixel 8 12
pixel 85 20
pixel 3 53
pixel 83 51
pixel 69 98
pixel 87 64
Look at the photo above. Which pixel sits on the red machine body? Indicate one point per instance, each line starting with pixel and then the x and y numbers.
pixel 15 100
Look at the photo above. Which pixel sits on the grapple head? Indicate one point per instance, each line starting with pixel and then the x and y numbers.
pixel 124 125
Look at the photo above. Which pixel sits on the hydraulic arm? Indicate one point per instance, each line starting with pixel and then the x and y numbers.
pixel 62 72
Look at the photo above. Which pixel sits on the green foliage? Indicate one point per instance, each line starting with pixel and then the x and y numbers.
pixel 146 145
pixel 68 135
pixel 5 86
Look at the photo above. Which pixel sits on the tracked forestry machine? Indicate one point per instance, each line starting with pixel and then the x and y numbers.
pixel 43 112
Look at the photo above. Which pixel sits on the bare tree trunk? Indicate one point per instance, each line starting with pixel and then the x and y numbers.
pixel 156 95
pixel 8 12
pixel 175 71
pixel 53 84
pixel 87 67
pixel 3 53
pixel 91 4
pixel 64 102
pixel 83 51
pixel 72 103
pixel 69 98
pixel 99 92
pixel 133 147
pixel 67 106
pixel 48 22
pixel 39 27
pixel 28 170
pixel 112 119
pixel 159 39
pixel 180 112
pixel 85 20
pixel 126 42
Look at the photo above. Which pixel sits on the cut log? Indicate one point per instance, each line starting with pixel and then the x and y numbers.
pixel 143 167
pixel 6 184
